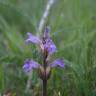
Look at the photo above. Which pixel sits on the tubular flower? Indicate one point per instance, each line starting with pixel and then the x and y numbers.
pixel 57 62
pixel 29 65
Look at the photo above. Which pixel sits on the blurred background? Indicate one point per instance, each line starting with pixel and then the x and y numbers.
pixel 73 30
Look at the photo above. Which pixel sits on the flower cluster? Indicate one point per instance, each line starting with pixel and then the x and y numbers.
pixel 47 47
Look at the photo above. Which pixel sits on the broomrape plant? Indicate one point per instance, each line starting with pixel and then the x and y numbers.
pixel 47 48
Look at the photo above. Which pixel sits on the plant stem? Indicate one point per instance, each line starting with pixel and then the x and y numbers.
pixel 45 15
pixel 44 87
pixel 44 79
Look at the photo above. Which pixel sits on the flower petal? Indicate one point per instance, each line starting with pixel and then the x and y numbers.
pixel 50 46
pixel 32 38
pixel 29 65
pixel 57 62
pixel 52 49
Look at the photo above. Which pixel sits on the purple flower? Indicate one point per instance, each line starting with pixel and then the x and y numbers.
pixel 45 43
pixel 49 46
pixel 32 38
pixel 57 62
pixel 29 65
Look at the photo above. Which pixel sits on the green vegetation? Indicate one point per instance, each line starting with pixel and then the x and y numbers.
pixel 73 29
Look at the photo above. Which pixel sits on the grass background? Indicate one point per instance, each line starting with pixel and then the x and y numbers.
pixel 73 29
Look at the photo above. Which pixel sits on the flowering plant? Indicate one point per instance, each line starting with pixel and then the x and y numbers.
pixel 47 47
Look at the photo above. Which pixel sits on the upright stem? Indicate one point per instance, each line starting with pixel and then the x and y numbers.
pixel 45 87
pixel 44 80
